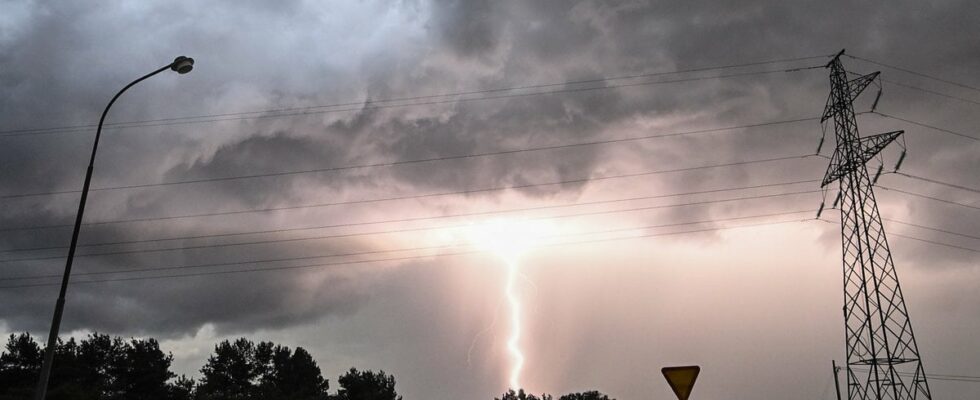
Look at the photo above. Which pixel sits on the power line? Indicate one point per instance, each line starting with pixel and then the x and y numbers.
pixel 933 92
pixel 218 245
pixel 29 277
pixel 957 376
pixel 924 125
pixel 391 250
pixel 293 110
pixel 426 195
pixel 416 229
pixel 283 230
pixel 947 81
pixel 938 182
pixel 927 197
pixel 418 161
pixel 937 243
pixel 451 101
pixel 357 262
pixel 942 377
pixel 932 228
pixel 489 212
pixel 366 261
pixel 931 377
pixel 368 106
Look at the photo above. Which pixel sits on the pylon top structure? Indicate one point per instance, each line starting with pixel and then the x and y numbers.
pixel 882 355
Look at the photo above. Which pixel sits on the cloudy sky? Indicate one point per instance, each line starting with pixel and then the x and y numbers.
pixel 327 174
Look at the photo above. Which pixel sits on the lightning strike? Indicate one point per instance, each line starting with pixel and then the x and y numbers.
pixel 513 344
pixel 509 240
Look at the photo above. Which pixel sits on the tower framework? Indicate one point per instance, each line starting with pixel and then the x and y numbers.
pixel 882 355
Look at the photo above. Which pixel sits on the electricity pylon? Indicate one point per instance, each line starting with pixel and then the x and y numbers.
pixel 882 356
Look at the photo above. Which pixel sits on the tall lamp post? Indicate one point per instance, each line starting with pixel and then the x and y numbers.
pixel 181 65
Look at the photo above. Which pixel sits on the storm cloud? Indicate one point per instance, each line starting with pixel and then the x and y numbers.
pixel 335 132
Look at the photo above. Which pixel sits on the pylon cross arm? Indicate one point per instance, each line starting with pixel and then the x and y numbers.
pixel 868 147
pixel 856 86
pixel 860 83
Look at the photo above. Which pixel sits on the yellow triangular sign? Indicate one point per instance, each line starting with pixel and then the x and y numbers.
pixel 681 379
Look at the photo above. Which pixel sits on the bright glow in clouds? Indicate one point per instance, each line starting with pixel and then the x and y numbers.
pixel 509 240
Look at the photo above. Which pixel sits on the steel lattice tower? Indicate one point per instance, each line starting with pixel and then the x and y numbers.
pixel 878 333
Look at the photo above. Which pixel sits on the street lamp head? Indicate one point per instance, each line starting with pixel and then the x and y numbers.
pixel 182 65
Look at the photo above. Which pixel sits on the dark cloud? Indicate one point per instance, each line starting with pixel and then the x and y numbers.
pixel 469 28
pixel 59 65
pixel 238 302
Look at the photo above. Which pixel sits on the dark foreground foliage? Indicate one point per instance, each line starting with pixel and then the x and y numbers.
pixel 521 395
pixel 100 367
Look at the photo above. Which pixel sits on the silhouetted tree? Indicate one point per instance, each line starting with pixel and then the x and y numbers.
pixel 244 370
pixel 19 366
pixel 182 388
pixel 97 362
pixel 230 372
pixel 97 368
pixel 591 395
pixel 520 395
pixel 101 367
pixel 289 375
pixel 142 371
pixel 71 376
pixel 366 385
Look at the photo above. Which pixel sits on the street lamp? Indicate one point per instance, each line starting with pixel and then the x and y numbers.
pixel 181 65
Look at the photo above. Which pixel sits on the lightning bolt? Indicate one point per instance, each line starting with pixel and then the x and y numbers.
pixel 508 240
pixel 513 345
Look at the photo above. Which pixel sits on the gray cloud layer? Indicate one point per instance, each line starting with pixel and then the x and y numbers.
pixel 59 63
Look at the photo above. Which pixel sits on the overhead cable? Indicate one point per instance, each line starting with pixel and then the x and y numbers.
pixel 426 195
pixel 322 237
pixel 411 219
pixel 318 265
pixel 415 161
pixel 380 103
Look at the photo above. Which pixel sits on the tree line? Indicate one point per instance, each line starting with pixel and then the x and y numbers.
pixel 521 395
pixel 100 367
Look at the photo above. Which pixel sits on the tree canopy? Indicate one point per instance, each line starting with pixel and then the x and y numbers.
pixel 242 370
pixel 521 395
pixel 366 385
pixel 98 367
pixel 101 367
pixel 592 395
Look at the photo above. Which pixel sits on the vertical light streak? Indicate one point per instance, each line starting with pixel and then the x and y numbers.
pixel 509 240
pixel 513 343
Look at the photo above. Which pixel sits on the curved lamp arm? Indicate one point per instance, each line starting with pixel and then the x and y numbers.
pixel 181 65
